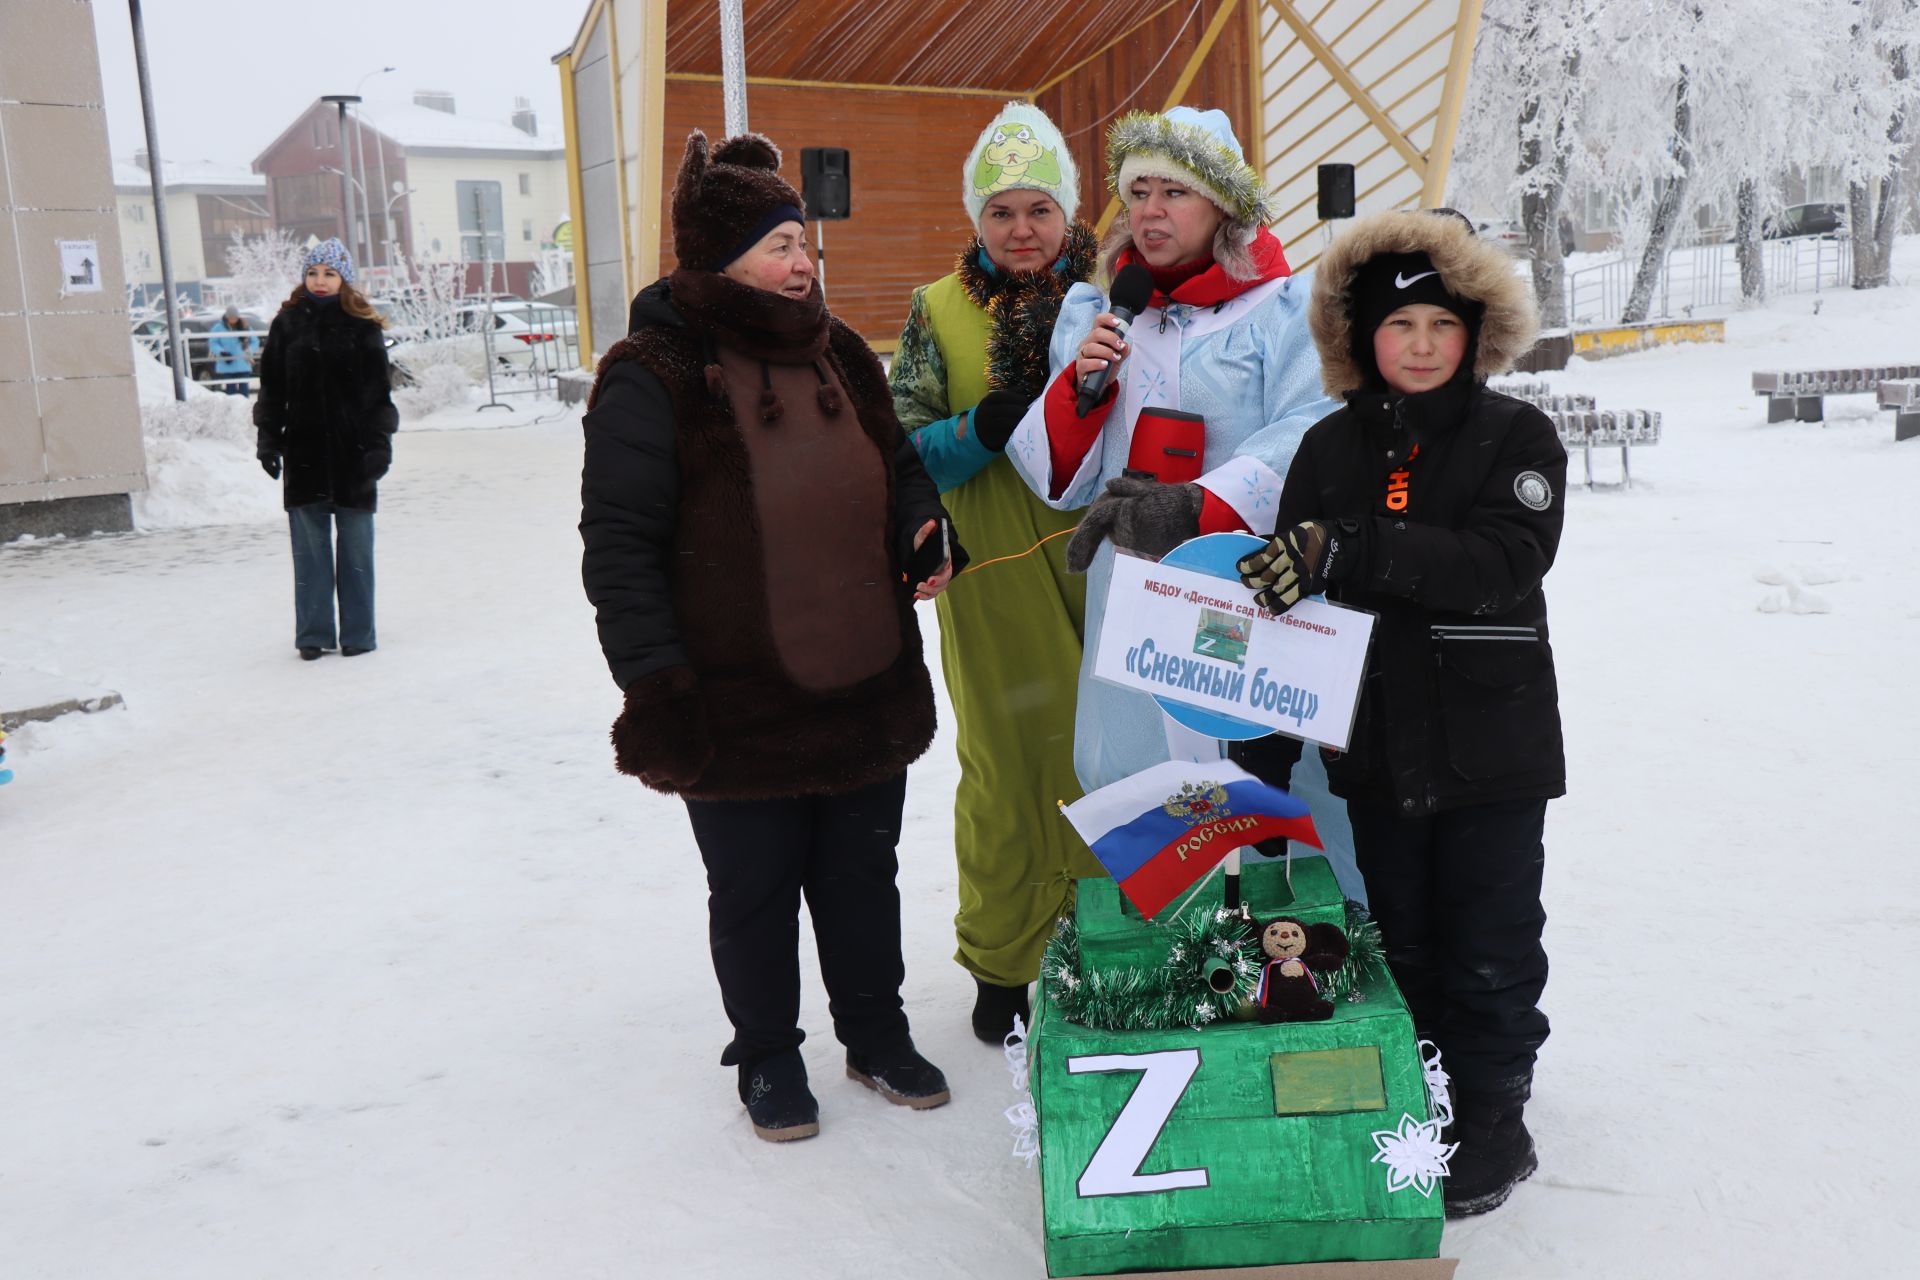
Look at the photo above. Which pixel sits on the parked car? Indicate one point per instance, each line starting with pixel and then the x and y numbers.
pixel 1822 218
pixel 521 327
pixel 1512 236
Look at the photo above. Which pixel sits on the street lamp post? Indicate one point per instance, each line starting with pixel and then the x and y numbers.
pixel 156 172
pixel 360 145
pixel 340 101
pixel 386 220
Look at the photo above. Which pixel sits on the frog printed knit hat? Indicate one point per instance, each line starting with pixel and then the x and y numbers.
pixel 1021 150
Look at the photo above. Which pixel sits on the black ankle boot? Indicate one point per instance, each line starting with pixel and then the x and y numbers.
pixel 778 1101
pixel 899 1075
pixel 994 1009
pixel 1496 1153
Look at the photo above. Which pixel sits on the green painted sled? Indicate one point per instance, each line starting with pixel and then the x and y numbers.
pixel 1235 1144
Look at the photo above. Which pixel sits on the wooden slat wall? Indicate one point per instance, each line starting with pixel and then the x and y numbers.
pixel 1118 81
pixel 907 150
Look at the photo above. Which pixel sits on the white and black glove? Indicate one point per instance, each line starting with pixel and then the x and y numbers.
pixel 1300 561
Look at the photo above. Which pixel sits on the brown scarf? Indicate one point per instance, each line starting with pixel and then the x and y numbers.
pixel 766 326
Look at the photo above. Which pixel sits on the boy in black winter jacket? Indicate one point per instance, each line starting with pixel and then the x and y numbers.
pixel 1437 504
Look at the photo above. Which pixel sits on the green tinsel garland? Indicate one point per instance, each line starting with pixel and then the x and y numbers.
pixel 1175 993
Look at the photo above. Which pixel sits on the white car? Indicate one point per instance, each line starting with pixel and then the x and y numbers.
pixel 525 333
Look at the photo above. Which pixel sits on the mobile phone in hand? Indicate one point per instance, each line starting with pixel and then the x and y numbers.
pixel 930 555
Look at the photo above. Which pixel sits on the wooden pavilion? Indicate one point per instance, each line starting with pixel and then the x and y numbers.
pixel 906 87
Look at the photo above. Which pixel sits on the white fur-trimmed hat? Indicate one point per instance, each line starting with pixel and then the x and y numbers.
pixel 1021 150
pixel 1194 148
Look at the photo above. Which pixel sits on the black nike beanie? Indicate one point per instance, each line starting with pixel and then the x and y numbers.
pixel 1394 280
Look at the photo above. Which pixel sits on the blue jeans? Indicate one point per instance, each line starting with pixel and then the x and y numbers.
pixel 315 579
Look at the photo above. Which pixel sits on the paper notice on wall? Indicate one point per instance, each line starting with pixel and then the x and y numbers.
pixel 79 266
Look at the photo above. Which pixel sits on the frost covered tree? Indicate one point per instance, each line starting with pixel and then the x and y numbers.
pixel 1672 178
pixel 1520 135
pixel 1879 81
pixel 264 268
pixel 1685 118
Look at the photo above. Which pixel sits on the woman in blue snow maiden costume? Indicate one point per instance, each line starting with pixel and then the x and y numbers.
pixel 1208 395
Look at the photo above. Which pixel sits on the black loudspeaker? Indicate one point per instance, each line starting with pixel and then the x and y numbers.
pixel 1336 191
pixel 826 182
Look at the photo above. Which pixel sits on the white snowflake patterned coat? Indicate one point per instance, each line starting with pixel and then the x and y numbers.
pixel 1251 371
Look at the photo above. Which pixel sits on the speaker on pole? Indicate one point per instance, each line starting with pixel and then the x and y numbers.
pixel 1336 192
pixel 826 183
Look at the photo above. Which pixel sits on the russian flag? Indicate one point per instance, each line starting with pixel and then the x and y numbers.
pixel 1158 831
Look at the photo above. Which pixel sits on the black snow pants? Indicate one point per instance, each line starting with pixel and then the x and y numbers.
pixel 838 851
pixel 1457 898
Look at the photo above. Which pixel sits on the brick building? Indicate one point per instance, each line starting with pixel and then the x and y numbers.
pixel 448 186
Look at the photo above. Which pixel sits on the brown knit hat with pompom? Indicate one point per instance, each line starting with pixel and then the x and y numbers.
pixel 725 200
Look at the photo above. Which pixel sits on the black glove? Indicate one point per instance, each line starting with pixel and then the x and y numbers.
pixel 1300 562
pixel 995 417
pixel 374 465
pixel 269 462
pixel 1137 515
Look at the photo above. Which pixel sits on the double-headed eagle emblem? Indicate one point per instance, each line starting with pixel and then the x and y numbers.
pixel 1198 802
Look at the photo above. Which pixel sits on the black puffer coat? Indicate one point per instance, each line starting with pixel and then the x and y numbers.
pixel 1450 542
pixel 324 408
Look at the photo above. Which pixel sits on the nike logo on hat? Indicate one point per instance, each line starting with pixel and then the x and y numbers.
pixel 1402 282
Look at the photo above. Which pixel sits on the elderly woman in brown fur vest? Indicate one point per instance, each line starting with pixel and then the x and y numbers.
pixel 1436 503
pixel 753 515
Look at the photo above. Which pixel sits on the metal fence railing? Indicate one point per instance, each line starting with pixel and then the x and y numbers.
pixel 524 345
pixel 529 344
pixel 1706 277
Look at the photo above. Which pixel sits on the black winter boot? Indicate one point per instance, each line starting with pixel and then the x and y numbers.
pixel 778 1101
pixel 1496 1153
pixel 900 1075
pixel 994 1009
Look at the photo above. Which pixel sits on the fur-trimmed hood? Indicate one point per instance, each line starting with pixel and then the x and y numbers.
pixel 1471 268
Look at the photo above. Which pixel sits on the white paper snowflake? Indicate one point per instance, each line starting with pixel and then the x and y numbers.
pixel 1021 1115
pixel 1204 1012
pixel 1414 1155
pixel 1439 1092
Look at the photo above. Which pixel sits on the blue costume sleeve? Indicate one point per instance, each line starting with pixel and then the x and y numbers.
pixel 1028 448
pixel 949 451
pixel 1292 397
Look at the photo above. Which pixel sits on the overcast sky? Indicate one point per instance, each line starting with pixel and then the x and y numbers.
pixel 230 75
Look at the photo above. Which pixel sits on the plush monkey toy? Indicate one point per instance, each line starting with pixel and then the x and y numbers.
pixel 1288 991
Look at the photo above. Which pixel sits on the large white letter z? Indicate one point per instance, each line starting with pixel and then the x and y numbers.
pixel 1115 1167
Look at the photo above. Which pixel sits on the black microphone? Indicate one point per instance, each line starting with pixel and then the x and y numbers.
pixel 1132 289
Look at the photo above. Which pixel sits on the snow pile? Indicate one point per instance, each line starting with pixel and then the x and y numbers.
pixel 200 464
pixel 443 381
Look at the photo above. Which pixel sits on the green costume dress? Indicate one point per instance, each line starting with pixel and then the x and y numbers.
pixel 1010 629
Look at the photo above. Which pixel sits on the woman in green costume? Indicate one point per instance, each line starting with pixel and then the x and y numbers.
pixel 972 358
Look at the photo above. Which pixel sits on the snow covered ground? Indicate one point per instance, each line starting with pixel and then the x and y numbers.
pixel 375 966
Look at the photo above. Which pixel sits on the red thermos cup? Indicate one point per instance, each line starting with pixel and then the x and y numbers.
pixel 1168 445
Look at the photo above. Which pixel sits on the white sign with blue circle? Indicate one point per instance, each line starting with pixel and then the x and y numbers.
pixel 1187 631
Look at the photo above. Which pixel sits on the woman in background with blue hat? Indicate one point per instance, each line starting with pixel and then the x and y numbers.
pixel 325 422
pixel 972 357
pixel 1208 395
